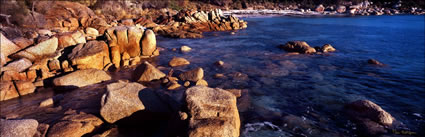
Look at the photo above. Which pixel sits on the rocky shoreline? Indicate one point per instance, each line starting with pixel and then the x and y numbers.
pixel 77 53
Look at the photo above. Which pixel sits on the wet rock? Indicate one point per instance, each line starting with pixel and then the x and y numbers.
pixel 44 48
pixel 219 75
pixel 148 43
pixel 93 54
pixel 7 48
pixel 25 87
pixel 298 46
pixel 18 128
pixel 18 65
pixel 91 33
pixel 175 62
pixel 70 39
pixel 150 73
pixel 193 75
pixel 327 48
pixel 213 112
pixel 81 78
pixel 201 83
pixel 7 90
pixel 75 125
pixel 365 109
pixel 121 100
pixel 374 62
pixel 185 48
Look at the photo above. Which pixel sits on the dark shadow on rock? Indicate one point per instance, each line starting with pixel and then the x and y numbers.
pixel 160 117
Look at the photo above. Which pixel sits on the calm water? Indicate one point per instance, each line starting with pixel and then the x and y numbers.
pixel 315 87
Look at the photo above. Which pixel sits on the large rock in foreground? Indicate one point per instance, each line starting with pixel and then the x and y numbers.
pixel 94 54
pixel 81 78
pixel 121 100
pixel 75 125
pixel 213 112
pixel 365 109
pixel 18 128
pixel 298 46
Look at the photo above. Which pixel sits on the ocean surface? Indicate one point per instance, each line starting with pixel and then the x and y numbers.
pixel 281 89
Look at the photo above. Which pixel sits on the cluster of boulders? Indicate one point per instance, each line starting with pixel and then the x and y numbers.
pixel 366 8
pixel 191 23
pixel 301 47
pixel 69 51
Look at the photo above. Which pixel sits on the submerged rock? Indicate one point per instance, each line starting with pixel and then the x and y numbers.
pixel 150 73
pixel 193 75
pixel 327 48
pixel 374 62
pixel 18 128
pixel 75 125
pixel 298 46
pixel 175 62
pixel 93 54
pixel 81 78
pixel 213 112
pixel 121 100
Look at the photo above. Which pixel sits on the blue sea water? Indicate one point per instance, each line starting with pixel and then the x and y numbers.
pixel 315 87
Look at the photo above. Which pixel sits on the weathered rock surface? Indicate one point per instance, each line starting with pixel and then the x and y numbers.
pixel 91 33
pixel 81 78
pixel 126 38
pixel 149 43
pixel 193 75
pixel 121 100
pixel 7 90
pixel 298 46
pixel 213 112
pixel 18 128
pixel 7 48
pixel 365 109
pixel 71 38
pixel 25 87
pixel 75 125
pixel 150 73
pixel 93 54
pixel 18 65
pixel 40 50
pixel 22 42
pixel 178 62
